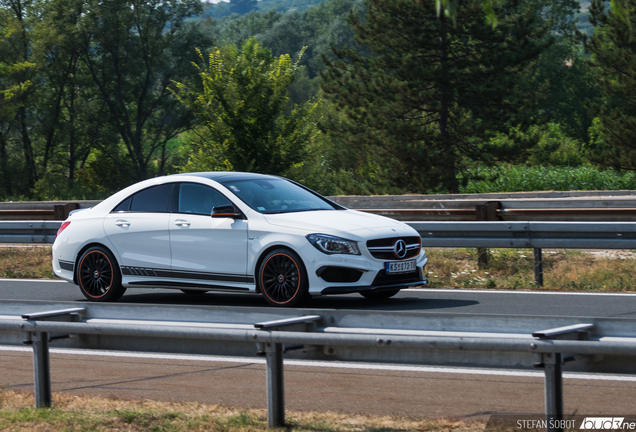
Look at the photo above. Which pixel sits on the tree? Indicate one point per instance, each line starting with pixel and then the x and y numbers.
pixel 12 88
pixel 242 7
pixel 132 49
pixel 613 57
pixel 242 100
pixel 449 9
pixel 19 72
pixel 432 94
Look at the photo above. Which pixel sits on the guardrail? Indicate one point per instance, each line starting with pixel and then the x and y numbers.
pixel 583 206
pixel 588 206
pixel 528 234
pixel 558 235
pixel 322 335
pixel 41 210
pixel 28 231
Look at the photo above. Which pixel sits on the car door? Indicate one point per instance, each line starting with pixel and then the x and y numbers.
pixel 138 230
pixel 206 250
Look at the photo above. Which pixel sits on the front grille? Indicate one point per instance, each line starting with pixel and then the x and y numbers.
pixel 384 249
pixel 383 279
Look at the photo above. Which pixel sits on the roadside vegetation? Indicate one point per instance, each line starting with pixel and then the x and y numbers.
pixel 91 413
pixel 310 90
pixel 575 270
pixel 572 270
pixel 524 178
pixel 25 262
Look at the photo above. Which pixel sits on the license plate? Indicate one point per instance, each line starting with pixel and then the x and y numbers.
pixel 400 267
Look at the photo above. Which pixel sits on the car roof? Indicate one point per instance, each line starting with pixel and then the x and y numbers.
pixel 223 176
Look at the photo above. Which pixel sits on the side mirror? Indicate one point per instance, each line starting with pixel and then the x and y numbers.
pixel 226 211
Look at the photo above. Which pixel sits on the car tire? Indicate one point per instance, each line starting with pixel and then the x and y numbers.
pixel 282 279
pixel 379 295
pixel 98 275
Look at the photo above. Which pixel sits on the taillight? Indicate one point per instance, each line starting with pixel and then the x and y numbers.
pixel 62 228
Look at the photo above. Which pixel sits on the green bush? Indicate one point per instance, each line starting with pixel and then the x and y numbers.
pixel 522 178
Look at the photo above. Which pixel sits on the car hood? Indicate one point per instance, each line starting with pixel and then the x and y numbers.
pixel 344 223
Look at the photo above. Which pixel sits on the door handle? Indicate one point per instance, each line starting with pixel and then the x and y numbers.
pixel 182 223
pixel 122 223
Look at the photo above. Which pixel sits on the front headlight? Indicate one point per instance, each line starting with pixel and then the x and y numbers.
pixel 333 245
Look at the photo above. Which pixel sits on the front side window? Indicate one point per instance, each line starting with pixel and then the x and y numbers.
pixel 277 196
pixel 123 206
pixel 154 199
pixel 200 199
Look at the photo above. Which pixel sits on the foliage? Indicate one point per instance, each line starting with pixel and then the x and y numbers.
pixel 570 87
pixel 554 147
pixel 243 101
pixel 242 7
pixel 432 94
pixel 315 29
pixel 11 87
pixel 85 110
pixel 541 178
pixel 19 69
pixel 613 55
pixel 131 73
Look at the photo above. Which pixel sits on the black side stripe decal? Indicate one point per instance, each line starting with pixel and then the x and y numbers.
pixel 180 274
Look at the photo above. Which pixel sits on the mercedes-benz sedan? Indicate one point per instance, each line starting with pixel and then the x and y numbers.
pixel 234 231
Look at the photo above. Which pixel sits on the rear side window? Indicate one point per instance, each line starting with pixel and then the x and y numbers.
pixel 199 199
pixel 153 199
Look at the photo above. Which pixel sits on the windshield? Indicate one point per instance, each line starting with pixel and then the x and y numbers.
pixel 277 196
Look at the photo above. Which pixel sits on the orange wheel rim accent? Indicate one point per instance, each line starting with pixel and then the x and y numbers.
pixel 280 278
pixel 96 274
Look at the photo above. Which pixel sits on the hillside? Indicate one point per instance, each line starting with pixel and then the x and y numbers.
pixel 220 9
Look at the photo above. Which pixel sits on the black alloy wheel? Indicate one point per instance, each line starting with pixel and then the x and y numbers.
pixel 282 279
pixel 98 275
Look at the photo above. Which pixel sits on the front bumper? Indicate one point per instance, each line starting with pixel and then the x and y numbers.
pixel 354 278
pixel 379 288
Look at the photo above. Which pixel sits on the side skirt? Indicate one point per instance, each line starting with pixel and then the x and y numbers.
pixel 171 284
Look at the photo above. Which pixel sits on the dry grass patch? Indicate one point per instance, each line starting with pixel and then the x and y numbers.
pixel 91 413
pixel 514 269
pixel 26 262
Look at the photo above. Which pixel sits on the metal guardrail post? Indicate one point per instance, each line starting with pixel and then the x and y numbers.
pixel 538 267
pixel 41 369
pixel 41 360
pixel 486 212
pixel 552 364
pixel 275 385
pixel 482 252
pixel 274 356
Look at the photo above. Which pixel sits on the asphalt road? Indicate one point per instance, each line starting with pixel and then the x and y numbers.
pixel 371 389
pixel 540 303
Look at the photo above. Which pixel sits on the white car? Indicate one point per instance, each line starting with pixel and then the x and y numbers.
pixel 234 231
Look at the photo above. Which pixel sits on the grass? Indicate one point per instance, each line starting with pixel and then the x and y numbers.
pixel 507 268
pixel 514 269
pixel 93 413
pixel 26 262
